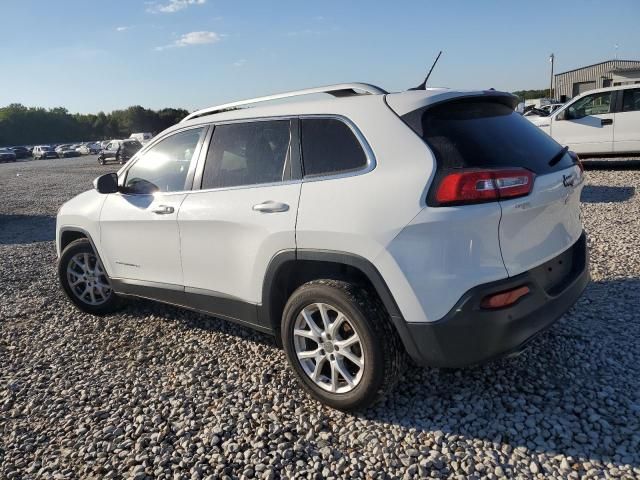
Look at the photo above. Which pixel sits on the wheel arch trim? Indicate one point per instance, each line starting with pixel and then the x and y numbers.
pixel 286 257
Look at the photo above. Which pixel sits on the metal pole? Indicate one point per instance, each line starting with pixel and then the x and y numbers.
pixel 551 58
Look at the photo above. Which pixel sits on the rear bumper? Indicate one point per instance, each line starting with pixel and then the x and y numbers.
pixel 469 335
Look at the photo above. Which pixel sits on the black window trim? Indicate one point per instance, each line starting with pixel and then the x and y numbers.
pixel 294 154
pixel 368 152
pixel 189 181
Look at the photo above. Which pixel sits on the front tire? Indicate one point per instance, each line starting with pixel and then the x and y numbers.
pixel 85 281
pixel 340 343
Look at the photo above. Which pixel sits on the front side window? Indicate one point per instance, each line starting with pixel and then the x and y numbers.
pixel 596 104
pixel 247 154
pixel 329 146
pixel 631 100
pixel 164 167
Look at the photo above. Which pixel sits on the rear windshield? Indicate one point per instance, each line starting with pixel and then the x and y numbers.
pixel 481 133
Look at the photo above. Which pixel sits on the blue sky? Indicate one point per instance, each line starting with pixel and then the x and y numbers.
pixel 89 55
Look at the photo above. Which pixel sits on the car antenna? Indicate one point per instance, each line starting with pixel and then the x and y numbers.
pixel 423 85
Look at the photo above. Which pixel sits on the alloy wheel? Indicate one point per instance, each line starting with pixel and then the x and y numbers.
pixel 328 348
pixel 88 280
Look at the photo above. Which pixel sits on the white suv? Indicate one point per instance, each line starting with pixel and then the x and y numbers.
pixel 436 223
pixel 602 121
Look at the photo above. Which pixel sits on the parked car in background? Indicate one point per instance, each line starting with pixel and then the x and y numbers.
pixel 436 223
pixel 143 137
pixel 601 121
pixel 7 155
pixel 44 151
pixel 119 150
pixel 21 152
pixel 89 148
pixel 65 151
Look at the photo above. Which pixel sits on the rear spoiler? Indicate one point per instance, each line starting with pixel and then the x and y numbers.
pixel 413 113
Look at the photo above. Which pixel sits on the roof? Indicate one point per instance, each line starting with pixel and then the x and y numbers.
pixel 596 64
pixel 400 102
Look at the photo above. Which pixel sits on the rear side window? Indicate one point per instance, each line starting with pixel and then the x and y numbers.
pixel 485 134
pixel 248 154
pixel 329 146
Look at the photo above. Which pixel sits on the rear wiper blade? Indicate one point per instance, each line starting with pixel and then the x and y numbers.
pixel 558 156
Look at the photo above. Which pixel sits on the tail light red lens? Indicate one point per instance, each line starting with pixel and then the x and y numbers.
pixel 476 186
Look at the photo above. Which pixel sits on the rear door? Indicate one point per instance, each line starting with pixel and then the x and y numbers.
pixel 586 125
pixel 627 122
pixel 244 213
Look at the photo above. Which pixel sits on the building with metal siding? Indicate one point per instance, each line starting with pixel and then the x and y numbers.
pixel 603 74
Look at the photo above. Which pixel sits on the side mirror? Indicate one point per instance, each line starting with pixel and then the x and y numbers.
pixel 107 183
pixel 562 115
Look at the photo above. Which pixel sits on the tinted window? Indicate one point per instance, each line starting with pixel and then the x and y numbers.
pixel 330 146
pixel 595 104
pixel 164 167
pixel 631 100
pixel 247 154
pixel 471 134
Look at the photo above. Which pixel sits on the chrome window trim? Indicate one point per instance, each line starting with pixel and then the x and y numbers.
pixel 246 187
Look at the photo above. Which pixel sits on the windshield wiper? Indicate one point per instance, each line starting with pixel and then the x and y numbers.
pixel 558 156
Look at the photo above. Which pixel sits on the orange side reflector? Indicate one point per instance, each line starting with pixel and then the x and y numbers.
pixel 504 299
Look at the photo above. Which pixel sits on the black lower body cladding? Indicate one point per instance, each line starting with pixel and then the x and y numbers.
pixel 469 334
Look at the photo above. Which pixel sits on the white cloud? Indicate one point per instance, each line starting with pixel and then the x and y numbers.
pixel 239 63
pixel 122 29
pixel 173 5
pixel 193 38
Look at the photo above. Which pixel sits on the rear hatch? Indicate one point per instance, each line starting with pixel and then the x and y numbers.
pixel 482 133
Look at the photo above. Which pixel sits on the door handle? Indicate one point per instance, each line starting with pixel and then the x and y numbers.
pixel 163 210
pixel 606 121
pixel 271 207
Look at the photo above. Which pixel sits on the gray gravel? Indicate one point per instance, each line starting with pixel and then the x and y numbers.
pixel 159 392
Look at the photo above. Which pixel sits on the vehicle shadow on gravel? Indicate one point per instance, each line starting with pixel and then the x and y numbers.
pixel 604 194
pixel 19 229
pixel 573 392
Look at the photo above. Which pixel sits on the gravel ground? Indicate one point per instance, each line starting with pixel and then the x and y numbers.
pixel 159 392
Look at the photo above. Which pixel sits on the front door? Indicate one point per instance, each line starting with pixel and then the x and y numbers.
pixel 138 225
pixel 242 216
pixel 586 126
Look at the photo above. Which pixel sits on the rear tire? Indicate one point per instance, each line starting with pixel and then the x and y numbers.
pixel 353 356
pixel 85 281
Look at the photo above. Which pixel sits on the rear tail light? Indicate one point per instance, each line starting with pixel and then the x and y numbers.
pixel 504 299
pixel 475 186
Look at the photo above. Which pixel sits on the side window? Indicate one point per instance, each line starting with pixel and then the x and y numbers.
pixel 631 100
pixel 164 167
pixel 595 104
pixel 247 154
pixel 330 146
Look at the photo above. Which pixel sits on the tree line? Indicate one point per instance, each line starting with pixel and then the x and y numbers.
pixel 20 125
